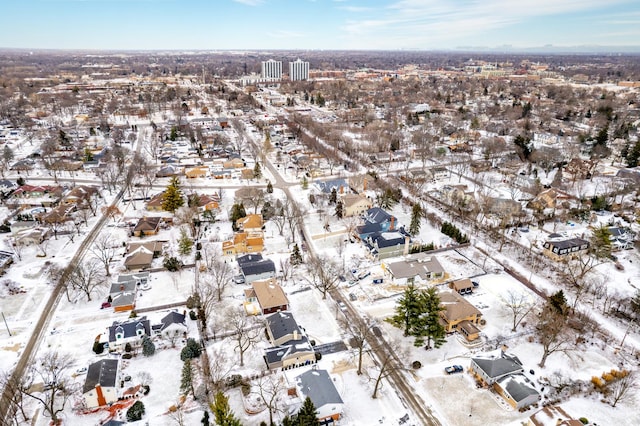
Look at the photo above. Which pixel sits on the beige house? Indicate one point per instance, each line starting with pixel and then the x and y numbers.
pixel 459 315
pixel 250 223
pixel 243 242
pixel 265 297
pixel 355 204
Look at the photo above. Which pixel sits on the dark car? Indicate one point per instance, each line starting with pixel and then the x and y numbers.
pixel 454 369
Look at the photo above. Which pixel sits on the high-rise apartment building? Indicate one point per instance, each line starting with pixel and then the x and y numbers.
pixel 298 70
pixel 272 69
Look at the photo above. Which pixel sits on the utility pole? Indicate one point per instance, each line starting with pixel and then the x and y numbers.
pixel 5 324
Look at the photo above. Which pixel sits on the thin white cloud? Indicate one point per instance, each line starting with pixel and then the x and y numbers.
pixel 427 23
pixel 284 34
pixel 250 2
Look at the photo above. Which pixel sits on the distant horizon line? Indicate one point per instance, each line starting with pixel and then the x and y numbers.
pixel 546 49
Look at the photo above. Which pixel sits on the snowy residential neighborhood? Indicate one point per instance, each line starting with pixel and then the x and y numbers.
pixel 410 244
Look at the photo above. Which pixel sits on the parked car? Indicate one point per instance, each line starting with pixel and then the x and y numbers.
pixel 82 370
pixel 453 369
pixel 342 306
pixel 476 284
pixel 105 305
pixel 238 279
pixel 353 297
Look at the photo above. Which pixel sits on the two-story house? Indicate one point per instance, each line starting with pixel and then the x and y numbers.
pixel 291 346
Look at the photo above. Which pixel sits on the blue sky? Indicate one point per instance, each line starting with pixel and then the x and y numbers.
pixel 317 24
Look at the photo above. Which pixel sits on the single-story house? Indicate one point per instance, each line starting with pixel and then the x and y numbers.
pixel 259 270
pixel 488 369
pixel 265 297
pixel 138 259
pixel 417 268
pixel 147 226
pixel 517 390
pixel 123 296
pixel 250 223
pixel 318 386
pixel 463 286
pixel 100 385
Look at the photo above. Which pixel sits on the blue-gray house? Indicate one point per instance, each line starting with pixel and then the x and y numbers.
pixel 376 220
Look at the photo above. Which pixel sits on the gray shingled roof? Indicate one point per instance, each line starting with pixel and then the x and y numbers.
pixel 103 372
pixel 317 385
pixel 518 387
pixel 498 367
pixel 281 324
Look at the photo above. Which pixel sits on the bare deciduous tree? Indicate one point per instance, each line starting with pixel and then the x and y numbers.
pixel 271 393
pixel 520 306
pixel 52 371
pixel 359 332
pixel 15 387
pixel 387 364
pixel 323 274
pixel 244 331
pixel 553 334
pixel 219 274
pixel 86 278
pixel 623 389
pixel 104 249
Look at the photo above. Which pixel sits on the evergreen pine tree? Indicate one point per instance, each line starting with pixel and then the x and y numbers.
pixel 433 330
pixel 186 381
pixel 558 302
pixel 304 183
pixel 237 212
pixel 205 419
pixel 333 197
pixel 185 243
pixel 416 216
pixel 296 256
pixel 269 188
pixel 191 350
pixel 222 412
pixel 407 310
pixel 148 348
pixel 172 199
pixel 308 415
pixel 135 412
pixel 339 210
pixel 257 171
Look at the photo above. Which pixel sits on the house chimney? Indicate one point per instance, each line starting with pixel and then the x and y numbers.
pixel 407 241
pixel 503 350
pixel 392 225
pixel 100 396
pixel 295 335
pixel 121 287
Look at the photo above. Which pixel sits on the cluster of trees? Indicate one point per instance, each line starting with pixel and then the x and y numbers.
pixel 450 230
pixel 418 314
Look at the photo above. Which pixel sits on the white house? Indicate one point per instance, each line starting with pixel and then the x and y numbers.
pixel 100 385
